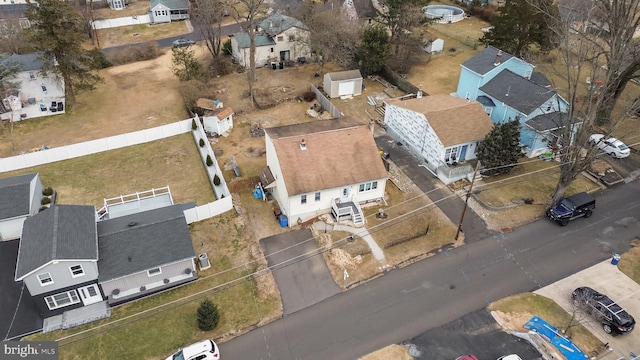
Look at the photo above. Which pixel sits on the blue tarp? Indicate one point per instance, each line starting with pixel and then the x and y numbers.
pixel 549 332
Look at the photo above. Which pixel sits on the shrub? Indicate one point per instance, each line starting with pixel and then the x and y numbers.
pixel 193 124
pixel 42 208
pixel 45 201
pixel 216 180
pixel 308 96
pixel 48 191
pixel 208 315
pixel 226 47
pixel 209 161
pixel 201 142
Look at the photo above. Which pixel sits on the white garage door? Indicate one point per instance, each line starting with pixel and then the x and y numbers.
pixel 345 88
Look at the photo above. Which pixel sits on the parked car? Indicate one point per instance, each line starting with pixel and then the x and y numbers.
pixel 183 42
pixel 203 350
pixel 43 107
pixel 53 107
pixel 575 206
pixel 510 357
pixel 60 106
pixel 467 357
pixel 611 146
pixel 614 319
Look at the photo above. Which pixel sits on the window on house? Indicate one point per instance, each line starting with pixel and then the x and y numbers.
pixel 527 74
pixel 45 279
pixel 303 199
pixel 368 186
pixel 292 38
pixel 317 196
pixel 549 108
pixel 62 299
pixel 76 270
pixel 280 38
pixel 271 49
pixel 154 272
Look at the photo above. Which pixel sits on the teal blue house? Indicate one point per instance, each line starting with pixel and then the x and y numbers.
pixel 510 88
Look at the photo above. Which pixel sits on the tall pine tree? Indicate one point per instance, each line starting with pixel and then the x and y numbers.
pixel 499 151
pixel 57 32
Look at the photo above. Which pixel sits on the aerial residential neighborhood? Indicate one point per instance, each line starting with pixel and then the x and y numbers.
pixel 382 180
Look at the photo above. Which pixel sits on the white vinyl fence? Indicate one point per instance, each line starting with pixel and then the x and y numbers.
pixel 133 138
pixel 66 152
pixel 123 21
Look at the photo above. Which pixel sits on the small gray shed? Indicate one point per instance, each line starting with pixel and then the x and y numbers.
pixel 343 83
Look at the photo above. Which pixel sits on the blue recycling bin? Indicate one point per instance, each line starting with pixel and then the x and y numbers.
pixel 614 259
pixel 284 221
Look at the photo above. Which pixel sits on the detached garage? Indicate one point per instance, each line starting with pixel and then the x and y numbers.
pixel 343 83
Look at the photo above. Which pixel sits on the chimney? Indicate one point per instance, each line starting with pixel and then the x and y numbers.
pixel 303 145
pixel 419 95
pixel 498 58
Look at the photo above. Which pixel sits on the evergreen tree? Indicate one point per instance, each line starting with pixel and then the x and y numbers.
pixel 499 151
pixel 57 32
pixel 208 315
pixel 185 65
pixel 521 24
pixel 373 49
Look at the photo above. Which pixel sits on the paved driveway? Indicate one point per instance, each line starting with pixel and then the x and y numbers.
pixel 19 314
pixel 476 333
pixel 605 278
pixel 299 269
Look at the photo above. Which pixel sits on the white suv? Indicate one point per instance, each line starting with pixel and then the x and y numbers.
pixel 203 350
pixel 611 146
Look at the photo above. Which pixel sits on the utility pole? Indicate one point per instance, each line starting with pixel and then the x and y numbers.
pixel 466 201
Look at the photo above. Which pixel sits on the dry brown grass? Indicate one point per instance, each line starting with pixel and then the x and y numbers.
pixel 395 352
pixel 133 34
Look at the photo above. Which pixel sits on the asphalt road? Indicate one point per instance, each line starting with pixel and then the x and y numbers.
pixel 405 303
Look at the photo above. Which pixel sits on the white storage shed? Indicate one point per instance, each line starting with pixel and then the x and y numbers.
pixel 343 83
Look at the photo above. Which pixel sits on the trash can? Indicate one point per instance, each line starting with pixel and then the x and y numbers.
pixel 284 221
pixel 614 259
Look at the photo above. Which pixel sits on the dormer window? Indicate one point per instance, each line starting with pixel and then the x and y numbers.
pixel 76 271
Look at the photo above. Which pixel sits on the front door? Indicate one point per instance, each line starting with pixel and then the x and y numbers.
pixel 90 294
pixel 463 152
pixel 345 194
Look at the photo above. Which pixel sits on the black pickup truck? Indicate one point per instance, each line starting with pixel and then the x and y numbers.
pixel 575 206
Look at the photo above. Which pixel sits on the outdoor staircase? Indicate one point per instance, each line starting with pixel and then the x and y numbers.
pixel 380 109
pixel 358 220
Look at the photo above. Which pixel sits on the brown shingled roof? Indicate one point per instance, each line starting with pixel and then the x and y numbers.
pixel 338 152
pixel 453 119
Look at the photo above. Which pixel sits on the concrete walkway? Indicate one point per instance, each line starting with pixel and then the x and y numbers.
pixel 608 279
pixel 364 234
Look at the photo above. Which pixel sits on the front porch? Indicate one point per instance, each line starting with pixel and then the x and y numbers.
pixel 347 210
pixel 449 173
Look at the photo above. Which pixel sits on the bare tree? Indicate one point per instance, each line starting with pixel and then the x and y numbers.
pixel 246 13
pixel 9 87
pixel 333 37
pixel 208 19
pixel 595 43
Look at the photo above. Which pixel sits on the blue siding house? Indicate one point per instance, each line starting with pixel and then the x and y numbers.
pixel 509 88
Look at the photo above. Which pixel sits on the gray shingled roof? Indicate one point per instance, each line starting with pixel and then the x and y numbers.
pixel 517 92
pixel 15 196
pixel 26 62
pixel 171 4
pixel 142 241
pixel 12 11
pixel 483 62
pixel 345 75
pixel 62 232
pixel 540 79
pixel 550 121
pixel 261 40
pixel 278 23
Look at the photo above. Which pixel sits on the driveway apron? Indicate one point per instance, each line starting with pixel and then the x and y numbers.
pixel 299 269
pixel 473 227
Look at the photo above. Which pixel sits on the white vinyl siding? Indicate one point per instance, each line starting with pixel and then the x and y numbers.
pixel 45 279
pixel 76 271
pixel 62 299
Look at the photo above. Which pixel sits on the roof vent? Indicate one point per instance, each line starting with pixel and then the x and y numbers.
pixel 303 145
pixel 133 223
pixel 498 58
